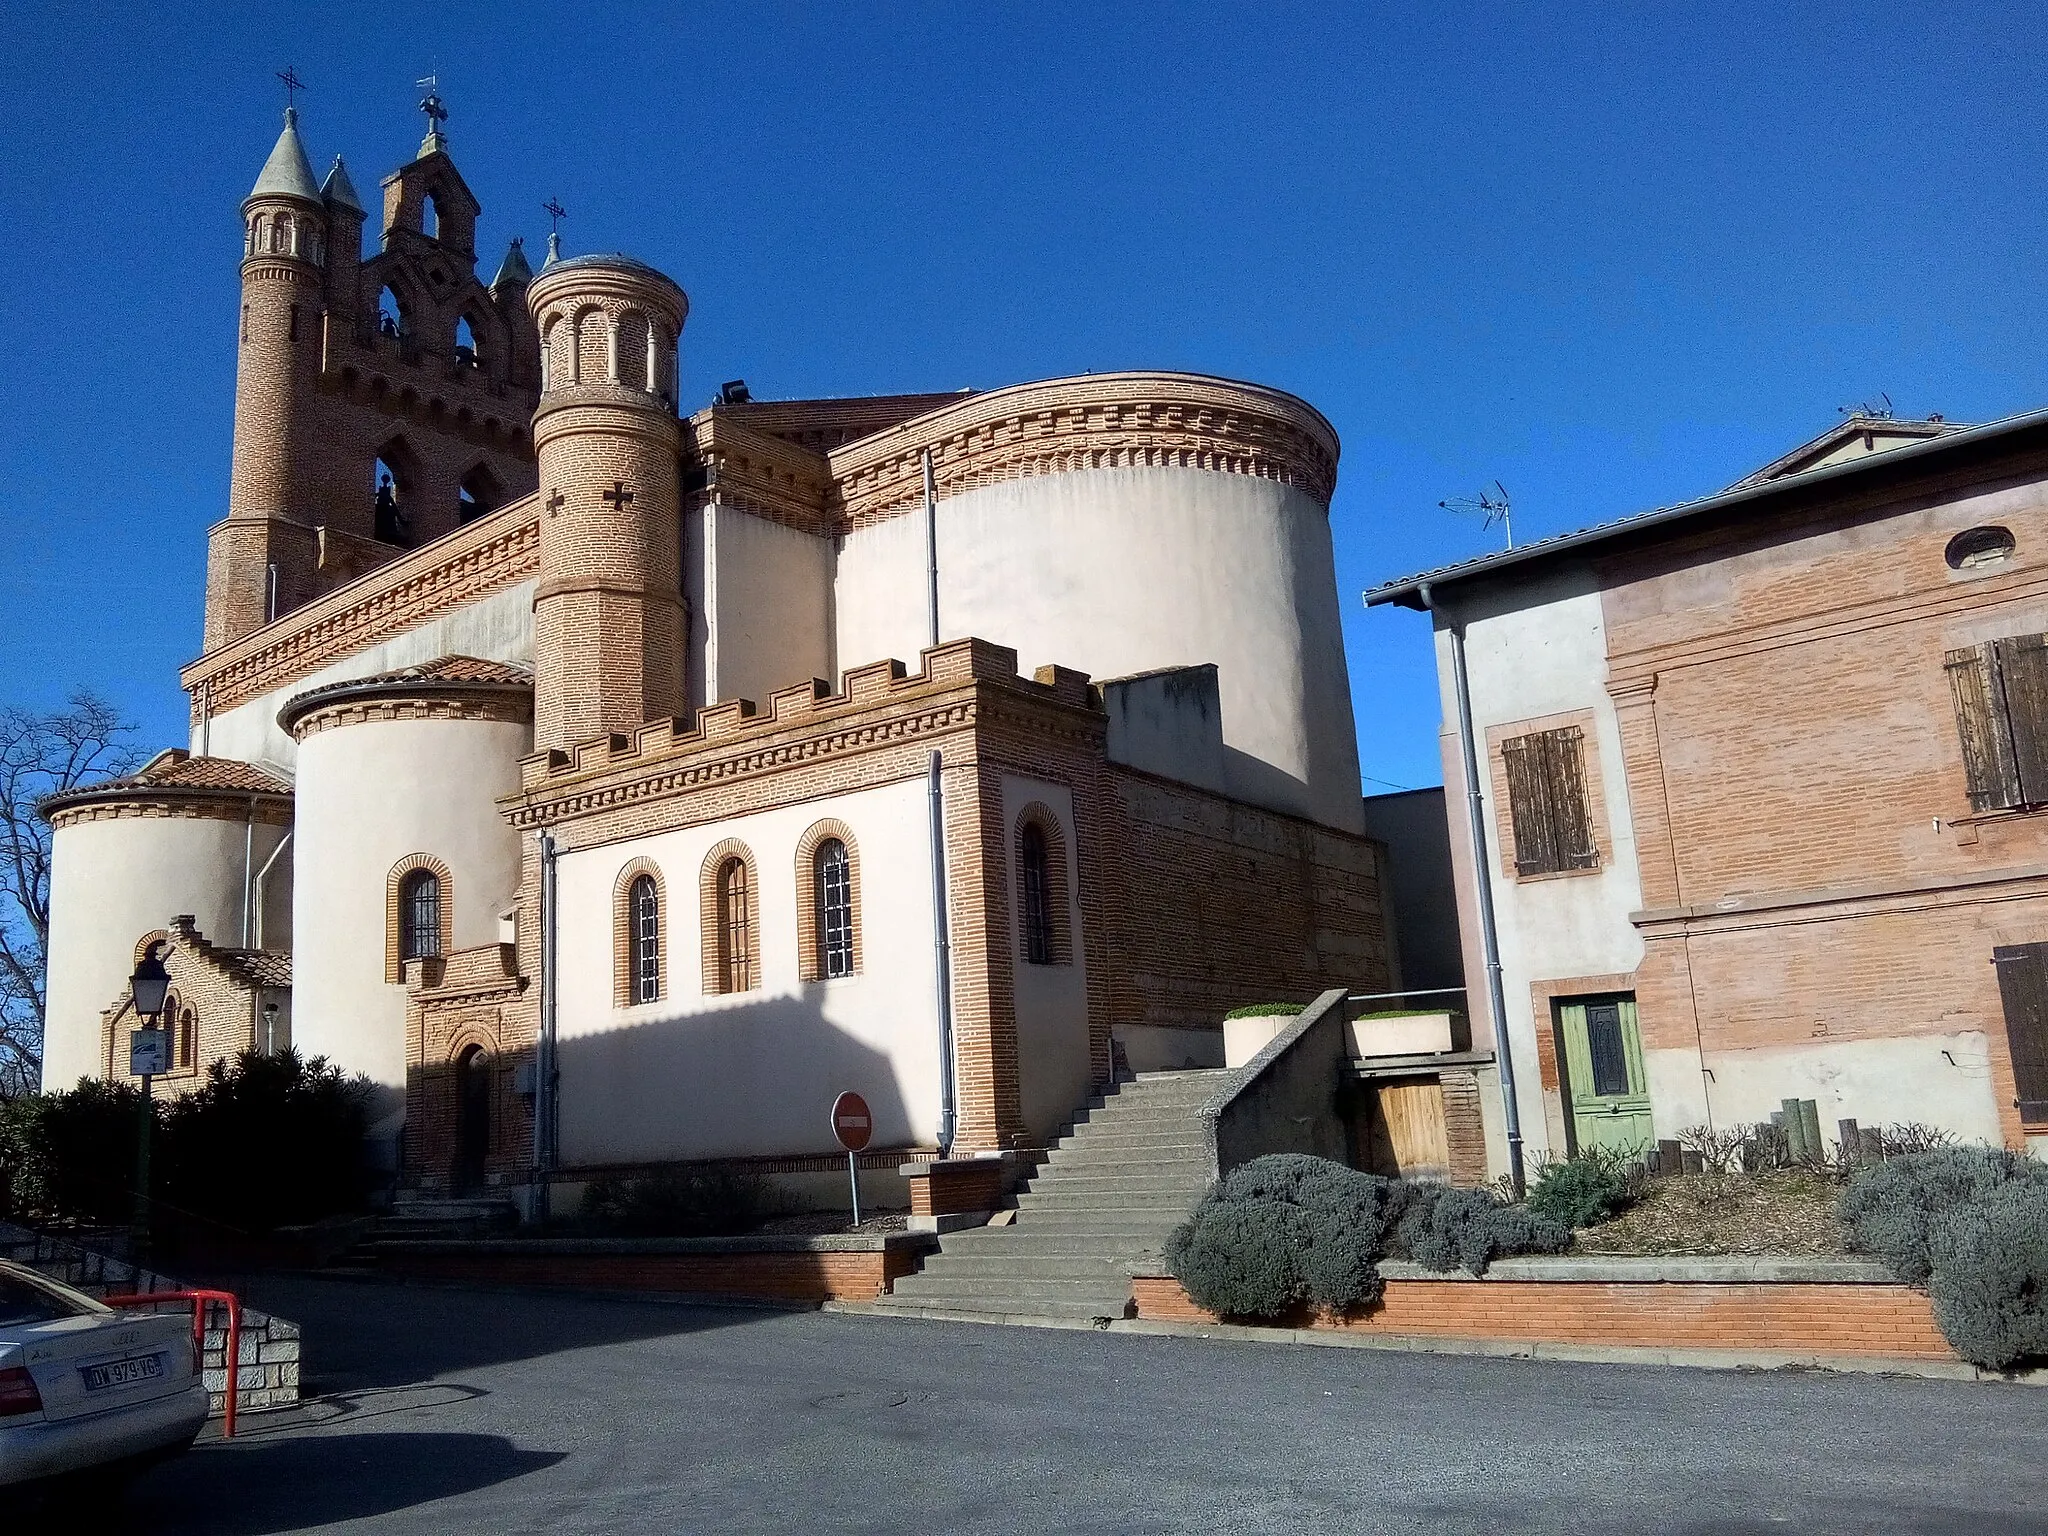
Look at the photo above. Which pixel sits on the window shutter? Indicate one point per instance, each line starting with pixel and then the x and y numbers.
pixel 1988 762
pixel 2022 672
pixel 1574 834
pixel 1528 805
pixel 2023 988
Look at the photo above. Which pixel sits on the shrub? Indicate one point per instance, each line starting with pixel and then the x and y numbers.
pixel 1892 1210
pixel 1283 1230
pixel 1446 1229
pixel 21 1181
pixel 1581 1190
pixel 1263 1010
pixel 81 1151
pixel 678 1202
pixel 1990 1281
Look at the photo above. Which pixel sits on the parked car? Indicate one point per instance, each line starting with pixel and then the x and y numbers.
pixel 83 1386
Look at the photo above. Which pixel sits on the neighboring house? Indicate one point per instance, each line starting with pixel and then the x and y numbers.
pixel 1765 785
pixel 1421 895
pixel 474 727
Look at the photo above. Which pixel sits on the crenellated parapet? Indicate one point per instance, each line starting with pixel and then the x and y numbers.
pixel 957 685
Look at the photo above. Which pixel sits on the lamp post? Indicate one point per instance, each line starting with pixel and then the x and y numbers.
pixel 147 988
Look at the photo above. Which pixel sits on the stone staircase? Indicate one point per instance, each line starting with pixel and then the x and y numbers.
pixel 1110 1192
pixel 417 1217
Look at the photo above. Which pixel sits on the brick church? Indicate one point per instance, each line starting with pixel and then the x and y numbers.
pixel 613 786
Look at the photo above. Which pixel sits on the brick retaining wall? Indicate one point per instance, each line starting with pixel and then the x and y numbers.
pixel 1770 1307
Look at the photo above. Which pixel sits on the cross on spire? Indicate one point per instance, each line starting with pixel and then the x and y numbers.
pixel 436 111
pixel 292 86
pixel 618 496
pixel 556 213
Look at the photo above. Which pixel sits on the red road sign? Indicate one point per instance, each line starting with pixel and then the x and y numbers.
pixel 851 1122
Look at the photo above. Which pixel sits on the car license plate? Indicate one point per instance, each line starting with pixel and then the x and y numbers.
pixel 121 1373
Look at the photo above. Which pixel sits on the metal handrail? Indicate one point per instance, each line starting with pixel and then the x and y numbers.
pixel 200 1301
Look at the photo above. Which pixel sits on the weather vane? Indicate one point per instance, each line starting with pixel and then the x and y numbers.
pixel 556 213
pixel 292 86
pixel 1491 505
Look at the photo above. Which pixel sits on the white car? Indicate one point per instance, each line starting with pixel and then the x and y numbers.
pixel 83 1385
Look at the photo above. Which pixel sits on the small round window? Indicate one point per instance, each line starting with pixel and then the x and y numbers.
pixel 1978 546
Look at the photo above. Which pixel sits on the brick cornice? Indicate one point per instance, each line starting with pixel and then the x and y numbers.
pixel 488 555
pixel 203 805
pixel 754 472
pixel 1100 421
pixel 509 705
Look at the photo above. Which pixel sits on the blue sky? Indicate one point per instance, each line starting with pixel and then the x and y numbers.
pixel 1613 256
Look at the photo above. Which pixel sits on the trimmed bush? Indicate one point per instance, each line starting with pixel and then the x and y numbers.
pixel 1446 1229
pixel 308 1118
pixel 1990 1281
pixel 1263 1010
pixel 1893 1209
pixel 1580 1191
pixel 1280 1231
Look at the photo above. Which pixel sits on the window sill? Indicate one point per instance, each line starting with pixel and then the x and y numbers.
pixel 1557 874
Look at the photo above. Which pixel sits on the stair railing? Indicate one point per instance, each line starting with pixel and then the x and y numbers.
pixel 1285 1098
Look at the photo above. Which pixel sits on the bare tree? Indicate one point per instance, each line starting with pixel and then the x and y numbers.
pixel 41 755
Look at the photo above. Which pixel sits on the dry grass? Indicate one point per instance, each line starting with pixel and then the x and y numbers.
pixel 1790 1213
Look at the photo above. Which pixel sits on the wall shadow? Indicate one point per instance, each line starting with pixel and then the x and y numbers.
pixel 242 1488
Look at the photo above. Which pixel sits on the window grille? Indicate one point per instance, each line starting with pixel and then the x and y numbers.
pixel 736 926
pixel 644 902
pixel 1547 802
pixel 419 901
pixel 2001 698
pixel 834 871
pixel 1037 896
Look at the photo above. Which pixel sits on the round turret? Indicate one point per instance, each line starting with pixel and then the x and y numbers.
pixel 608 612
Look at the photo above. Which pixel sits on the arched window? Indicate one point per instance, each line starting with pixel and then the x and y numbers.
pixel 735 926
pixel 468 352
pixel 280 234
pixel 644 901
pixel 834 877
pixel 393 318
pixel 419 915
pixel 391 506
pixel 185 1042
pixel 1031 864
pixel 477 495
pixel 431 216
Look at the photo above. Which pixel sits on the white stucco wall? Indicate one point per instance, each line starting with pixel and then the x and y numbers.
pixel 495 628
pixel 1169 723
pixel 1547 658
pixel 369 795
pixel 113 881
pixel 753 1073
pixel 1052 1000
pixel 761 606
pixel 1118 571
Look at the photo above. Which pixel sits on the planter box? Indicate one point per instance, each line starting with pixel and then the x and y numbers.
pixel 804 1270
pixel 1770 1307
pixel 1245 1038
pixel 1415 1034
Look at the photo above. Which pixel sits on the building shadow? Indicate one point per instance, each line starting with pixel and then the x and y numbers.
pixel 256 1488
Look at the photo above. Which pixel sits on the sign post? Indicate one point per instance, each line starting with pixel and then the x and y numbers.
pixel 852 1126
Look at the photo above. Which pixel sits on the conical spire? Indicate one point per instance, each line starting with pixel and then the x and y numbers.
pixel 287 173
pixel 513 269
pixel 339 190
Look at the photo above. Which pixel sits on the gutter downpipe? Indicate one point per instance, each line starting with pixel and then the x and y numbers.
pixel 248 871
pixel 1489 937
pixel 942 944
pixel 544 1079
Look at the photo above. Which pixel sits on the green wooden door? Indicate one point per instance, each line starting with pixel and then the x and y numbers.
pixel 1603 1064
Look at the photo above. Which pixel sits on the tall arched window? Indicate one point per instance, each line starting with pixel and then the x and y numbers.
pixel 735 926
pixel 1036 879
pixel 419 915
pixel 644 902
pixel 185 1042
pixel 834 883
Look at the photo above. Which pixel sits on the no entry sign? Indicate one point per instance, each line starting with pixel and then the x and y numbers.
pixel 851 1122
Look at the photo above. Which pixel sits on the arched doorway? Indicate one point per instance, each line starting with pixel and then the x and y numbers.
pixel 472 1117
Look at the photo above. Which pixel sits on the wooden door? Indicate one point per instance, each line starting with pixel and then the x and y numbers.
pixel 472 1118
pixel 1603 1062
pixel 1407 1138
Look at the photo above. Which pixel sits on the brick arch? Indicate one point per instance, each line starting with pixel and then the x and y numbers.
pixel 477 1033
pixel 1059 898
pixel 590 329
pixel 154 936
pixel 394 967
pixel 810 956
pixel 721 968
pixel 622 932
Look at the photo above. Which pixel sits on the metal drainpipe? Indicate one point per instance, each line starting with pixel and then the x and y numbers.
pixel 949 1112
pixel 544 1081
pixel 248 870
pixel 1489 938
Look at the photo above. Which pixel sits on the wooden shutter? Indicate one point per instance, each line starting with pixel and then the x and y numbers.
pixel 1547 802
pixel 1528 806
pixel 2023 988
pixel 1988 760
pixel 1574 839
pixel 2022 671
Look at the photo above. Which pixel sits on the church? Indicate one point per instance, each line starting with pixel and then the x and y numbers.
pixel 613 787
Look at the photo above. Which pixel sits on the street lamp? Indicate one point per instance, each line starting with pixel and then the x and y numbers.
pixel 147 989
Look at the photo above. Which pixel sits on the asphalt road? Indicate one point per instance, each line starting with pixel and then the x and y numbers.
pixel 448 1410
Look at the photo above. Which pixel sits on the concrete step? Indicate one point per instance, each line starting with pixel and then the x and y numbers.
pixel 1085 1178
pixel 1101 1266
pixel 1166 1141
pixel 1031 1243
pixel 994 1311
pixel 1181 1200
pixel 1102 1292
pixel 1144 1226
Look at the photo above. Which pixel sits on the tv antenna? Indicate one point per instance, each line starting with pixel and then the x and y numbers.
pixel 1881 410
pixel 1491 505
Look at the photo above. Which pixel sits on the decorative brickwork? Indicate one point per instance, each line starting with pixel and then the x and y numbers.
pixel 394 910
pixel 729 913
pixel 1058 936
pixel 214 1008
pixel 451 688
pixel 175 783
pixel 625 933
pixel 810 958
pixel 472 997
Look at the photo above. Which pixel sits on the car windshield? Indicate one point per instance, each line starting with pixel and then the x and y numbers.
pixel 22 1302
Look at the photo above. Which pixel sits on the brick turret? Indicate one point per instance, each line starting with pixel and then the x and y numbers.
pixel 608 612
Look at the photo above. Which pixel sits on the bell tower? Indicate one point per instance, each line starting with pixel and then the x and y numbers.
pixel 608 611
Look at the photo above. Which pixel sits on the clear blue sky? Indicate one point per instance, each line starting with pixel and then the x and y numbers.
pixel 1612 256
